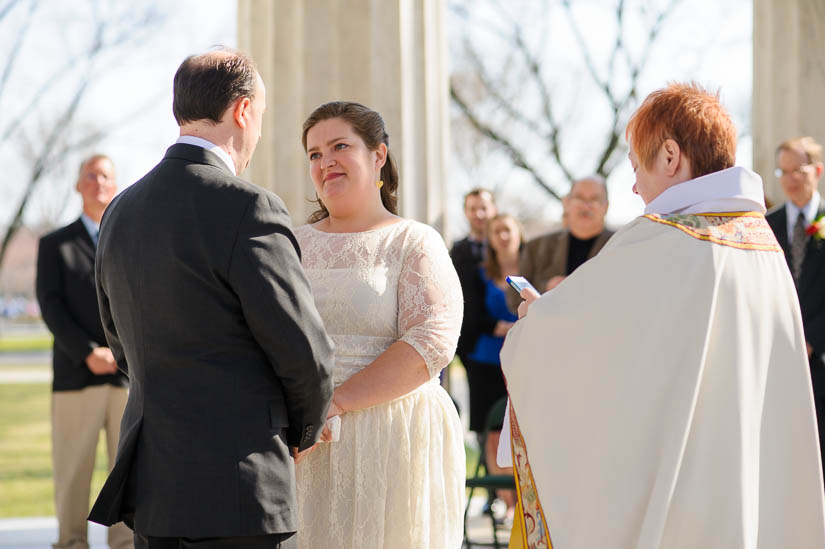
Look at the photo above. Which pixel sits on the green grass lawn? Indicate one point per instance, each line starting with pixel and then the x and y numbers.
pixel 25 452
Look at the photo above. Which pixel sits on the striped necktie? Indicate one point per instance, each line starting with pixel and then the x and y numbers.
pixel 798 246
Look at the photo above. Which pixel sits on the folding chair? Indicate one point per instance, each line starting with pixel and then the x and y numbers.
pixel 481 478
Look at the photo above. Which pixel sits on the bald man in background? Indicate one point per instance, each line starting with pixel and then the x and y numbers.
pixel 88 392
pixel 546 260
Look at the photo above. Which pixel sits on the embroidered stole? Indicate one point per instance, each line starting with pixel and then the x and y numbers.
pixel 529 525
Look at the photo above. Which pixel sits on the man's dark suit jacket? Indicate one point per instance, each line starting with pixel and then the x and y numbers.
pixel 811 291
pixel 205 304
pixel 466 260
pixel 546 256
pixel 68 302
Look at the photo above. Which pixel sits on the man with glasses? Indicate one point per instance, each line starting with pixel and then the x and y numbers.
pixel 799 169
pixel 547 259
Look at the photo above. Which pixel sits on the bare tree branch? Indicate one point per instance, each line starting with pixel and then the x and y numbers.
pixel 585 50
pixel 18 43
pixel 108 34
pixel 492 91
pixel 530 104
pixel 553 135
pixel 41 164
pixel 4 10
pixel 514 153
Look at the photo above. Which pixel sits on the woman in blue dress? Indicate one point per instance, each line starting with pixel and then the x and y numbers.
pixel 505 238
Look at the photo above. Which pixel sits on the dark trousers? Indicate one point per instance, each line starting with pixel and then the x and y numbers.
pixel 269 541
pixel 486 384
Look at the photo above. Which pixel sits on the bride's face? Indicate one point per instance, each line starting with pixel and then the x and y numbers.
pixel 343 169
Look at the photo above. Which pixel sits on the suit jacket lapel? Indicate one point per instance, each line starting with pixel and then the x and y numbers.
pixel 781 232
pixel 83 240
pixel 599 243
pixel 812 261
pixel 560 253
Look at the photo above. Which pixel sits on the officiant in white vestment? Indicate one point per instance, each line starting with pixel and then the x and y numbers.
pixel 690 422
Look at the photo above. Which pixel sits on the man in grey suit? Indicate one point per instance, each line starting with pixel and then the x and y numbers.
pixel 206 307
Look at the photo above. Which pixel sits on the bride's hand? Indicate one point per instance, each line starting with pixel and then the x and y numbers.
pixel 334 409
pixel 529 295
pixel 326 434
pixel 299 456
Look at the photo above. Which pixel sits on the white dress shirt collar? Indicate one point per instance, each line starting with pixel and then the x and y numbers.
pixel 808 210
pixel 209 146
pixel 92 227
pixel 735 189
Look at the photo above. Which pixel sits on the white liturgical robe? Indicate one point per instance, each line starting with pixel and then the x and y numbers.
pixel 661 393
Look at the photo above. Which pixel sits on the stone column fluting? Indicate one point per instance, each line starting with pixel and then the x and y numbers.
pixel 386 54
pixel 788 80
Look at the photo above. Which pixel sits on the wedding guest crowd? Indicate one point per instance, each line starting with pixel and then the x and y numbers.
pixel 285 381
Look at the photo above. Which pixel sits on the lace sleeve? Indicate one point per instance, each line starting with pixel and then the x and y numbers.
pixel 430 301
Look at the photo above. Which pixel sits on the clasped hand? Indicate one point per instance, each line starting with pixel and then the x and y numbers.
pixel 326 435
pixel 101 361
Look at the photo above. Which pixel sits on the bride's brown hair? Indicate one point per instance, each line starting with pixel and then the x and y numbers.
pixel 369 126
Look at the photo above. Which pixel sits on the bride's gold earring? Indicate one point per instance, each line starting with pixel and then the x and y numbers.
pixel 379 183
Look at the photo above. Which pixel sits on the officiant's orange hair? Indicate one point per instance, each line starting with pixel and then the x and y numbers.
pixel 691 116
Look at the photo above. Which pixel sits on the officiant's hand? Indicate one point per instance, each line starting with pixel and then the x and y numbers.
pixel 529 295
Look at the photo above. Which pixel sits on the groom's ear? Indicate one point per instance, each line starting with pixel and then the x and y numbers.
pixel 240 112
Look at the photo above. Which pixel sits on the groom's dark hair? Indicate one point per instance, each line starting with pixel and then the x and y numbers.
pixel 208 84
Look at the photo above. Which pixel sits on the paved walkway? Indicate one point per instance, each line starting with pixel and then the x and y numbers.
pixel 25 375
pixel 41 532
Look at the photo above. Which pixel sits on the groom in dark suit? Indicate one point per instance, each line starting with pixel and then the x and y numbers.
pixel 799 169
pixel 205 305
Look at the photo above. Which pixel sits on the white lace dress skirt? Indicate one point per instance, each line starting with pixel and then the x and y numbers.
pixel 395 479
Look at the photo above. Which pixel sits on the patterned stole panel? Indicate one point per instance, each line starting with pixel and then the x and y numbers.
pixel 533 525
pixel 743 230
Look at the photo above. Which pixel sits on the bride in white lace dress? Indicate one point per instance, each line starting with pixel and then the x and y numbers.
pixel 390 299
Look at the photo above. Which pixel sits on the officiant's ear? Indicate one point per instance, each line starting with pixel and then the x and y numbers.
pixel 241 112
pixel 671 155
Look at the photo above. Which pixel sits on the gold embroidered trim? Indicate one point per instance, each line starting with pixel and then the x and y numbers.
pixel 534 532
pixel 742 230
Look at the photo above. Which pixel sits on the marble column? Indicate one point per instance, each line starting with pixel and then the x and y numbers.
pixel 788 80
pixel 387 54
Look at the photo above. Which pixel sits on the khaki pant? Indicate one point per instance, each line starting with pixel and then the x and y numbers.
pixel 77 418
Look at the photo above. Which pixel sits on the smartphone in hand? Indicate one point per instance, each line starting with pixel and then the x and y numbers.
pixel 518 283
